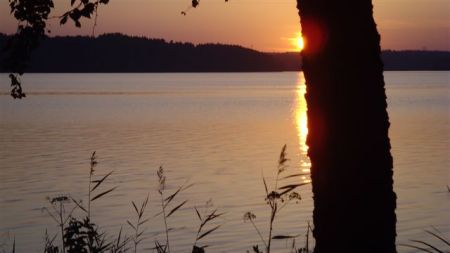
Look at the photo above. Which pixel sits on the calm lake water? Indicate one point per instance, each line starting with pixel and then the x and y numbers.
pixel 221 132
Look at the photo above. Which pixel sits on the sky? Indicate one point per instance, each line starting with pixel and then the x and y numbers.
pixel 265 25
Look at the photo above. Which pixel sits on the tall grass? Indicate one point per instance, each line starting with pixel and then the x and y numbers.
pixel 81 234
pixel 277 198
pixel 167 210
pixel 424 246
pixel 140 220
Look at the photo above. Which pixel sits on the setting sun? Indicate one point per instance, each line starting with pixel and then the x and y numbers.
pixel 297 42
pixel 300 43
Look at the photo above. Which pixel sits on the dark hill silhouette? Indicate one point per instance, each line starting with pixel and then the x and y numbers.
pixel 416 60
pixel 121 53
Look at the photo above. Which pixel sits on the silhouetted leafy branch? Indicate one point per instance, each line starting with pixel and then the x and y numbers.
pixel 32 17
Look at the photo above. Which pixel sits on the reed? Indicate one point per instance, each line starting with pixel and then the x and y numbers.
pixel 205 219
pixel 140 220
pixel 277 198
pixel 167 209
pixel 81 234
pixel 424 246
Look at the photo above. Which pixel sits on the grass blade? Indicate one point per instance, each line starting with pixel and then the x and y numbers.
pixel 438 237
pixel 265 186
pixel 144 221
pixel 429 245
pixel 416 247
pixel 135 207
pixel 289 188
pixel 103 193
pixel 79 205
pixel 99 182
pixel 280 237
pixel 208 232
pixel 118 237
pixel 171 197
pixel 293 186
pixel 176 208
pixel 131 225
pixel 295 175
pixel 198 213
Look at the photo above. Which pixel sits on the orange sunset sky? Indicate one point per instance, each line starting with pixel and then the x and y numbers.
pixel 266 25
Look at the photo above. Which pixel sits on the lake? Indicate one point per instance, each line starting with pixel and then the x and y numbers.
pixel 221 132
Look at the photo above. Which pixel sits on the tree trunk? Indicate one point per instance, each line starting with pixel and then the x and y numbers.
pixel 354 201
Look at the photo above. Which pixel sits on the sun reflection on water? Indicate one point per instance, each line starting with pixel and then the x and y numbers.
pixel 301 122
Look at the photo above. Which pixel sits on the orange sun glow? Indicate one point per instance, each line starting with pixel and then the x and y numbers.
pixel 297 42
pixel 300 43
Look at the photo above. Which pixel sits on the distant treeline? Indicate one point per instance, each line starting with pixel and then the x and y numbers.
pixel 121 53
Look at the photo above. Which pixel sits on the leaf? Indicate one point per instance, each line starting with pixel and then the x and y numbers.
pixel 212 216
pixel 135 208
pixel 79 205
pixel 144 221
pixel 159 247
pixel 75 15
pixel 265 186
pixel 88 10
pixel 416 247
pixel 118 237
pixel 131 225
pixel 429 245
pixel 176 208
pixel 290 187
pixel 198 213
pixel 63 20
pixel 158 214
pixel 144 204
pixel 208 232
pixel 438 237
pixel 282 158
pixel 172 196
pixel 99 182
pixel 280 237
pixel 103 193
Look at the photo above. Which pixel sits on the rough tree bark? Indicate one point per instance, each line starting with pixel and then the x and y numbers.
pixel 349 148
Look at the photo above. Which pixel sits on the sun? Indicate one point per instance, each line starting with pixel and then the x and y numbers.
pixel 300 43
pixel 297 42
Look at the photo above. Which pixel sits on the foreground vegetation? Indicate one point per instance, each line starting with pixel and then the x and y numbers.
pixel 81 233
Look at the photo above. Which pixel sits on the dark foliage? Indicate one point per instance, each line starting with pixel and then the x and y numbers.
pixel 416 60
pixel 32 16
pixel 120 53
pixel 83 236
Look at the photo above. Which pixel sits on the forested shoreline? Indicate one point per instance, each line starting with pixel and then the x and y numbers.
pixel 110 53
